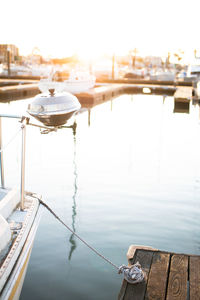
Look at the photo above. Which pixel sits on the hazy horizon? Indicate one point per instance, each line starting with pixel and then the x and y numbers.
pixel 89 28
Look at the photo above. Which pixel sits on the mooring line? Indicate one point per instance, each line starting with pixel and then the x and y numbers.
pixel 83 241
pixel 14 136
pixel 133 274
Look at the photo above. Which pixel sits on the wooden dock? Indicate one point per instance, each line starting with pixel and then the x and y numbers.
pixel 97 95
pixel 168 276
pixel 13 82
pixel 100 94
pixel 183 94
pixel 18 91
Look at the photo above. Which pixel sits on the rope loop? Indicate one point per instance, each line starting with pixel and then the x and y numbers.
pixel 132 274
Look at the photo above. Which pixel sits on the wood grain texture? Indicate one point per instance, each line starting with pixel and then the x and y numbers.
pixel 137 291
pixel 156 287
pixel 177 285
pixel 122 290
pixel 194 271
pixel 168 276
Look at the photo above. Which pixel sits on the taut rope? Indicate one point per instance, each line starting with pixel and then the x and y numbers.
pixel 132 274
pixel 93 249
pixel 14 136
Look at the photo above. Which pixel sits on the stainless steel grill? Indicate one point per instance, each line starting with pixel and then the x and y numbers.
pixel 53 109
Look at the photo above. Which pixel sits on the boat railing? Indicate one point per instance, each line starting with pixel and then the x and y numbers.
pixel 23 150
pixel 24 122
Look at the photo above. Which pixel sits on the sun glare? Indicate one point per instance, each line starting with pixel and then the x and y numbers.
pixel 90 28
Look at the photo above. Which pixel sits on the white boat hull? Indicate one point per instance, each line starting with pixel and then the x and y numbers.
pixel 73 86
pixel 78 87
pixel 13 270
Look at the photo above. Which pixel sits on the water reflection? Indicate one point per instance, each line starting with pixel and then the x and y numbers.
pixel 89 115
pixel 181 106
pixel 74 213
pixel 164 97
pixel 149 166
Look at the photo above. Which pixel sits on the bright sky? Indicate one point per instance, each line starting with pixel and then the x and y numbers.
pixel 90 27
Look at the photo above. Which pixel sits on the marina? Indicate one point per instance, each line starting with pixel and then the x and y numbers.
pixel 102 91
pixel 140 182
pixel 99 150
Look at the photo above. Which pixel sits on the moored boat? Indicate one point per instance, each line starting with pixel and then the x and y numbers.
pixel 20 211
pixel 19 219
pixel 78 82
pixel 17 232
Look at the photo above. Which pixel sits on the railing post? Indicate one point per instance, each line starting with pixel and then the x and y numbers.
pixel 23 165
pixel 1 158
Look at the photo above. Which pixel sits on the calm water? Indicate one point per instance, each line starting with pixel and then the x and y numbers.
pixel 131 177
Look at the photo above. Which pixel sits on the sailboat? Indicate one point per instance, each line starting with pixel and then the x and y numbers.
pixel 19 218
pixel 20 211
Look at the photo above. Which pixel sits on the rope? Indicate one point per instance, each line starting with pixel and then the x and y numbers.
pixel 2 149
pixel 132 274
pixel 93 249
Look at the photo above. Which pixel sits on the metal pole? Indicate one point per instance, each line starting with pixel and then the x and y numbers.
pixel 8 62
pixel 113 66
pixel 1 158
pixel 12 116
pixel 23 165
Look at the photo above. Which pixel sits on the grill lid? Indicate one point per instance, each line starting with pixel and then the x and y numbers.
pixel 53 104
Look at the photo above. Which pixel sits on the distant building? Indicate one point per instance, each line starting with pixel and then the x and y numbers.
pixel 8 49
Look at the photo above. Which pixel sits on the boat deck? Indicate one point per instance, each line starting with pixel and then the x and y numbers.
pixel 3 192
pixel 168 276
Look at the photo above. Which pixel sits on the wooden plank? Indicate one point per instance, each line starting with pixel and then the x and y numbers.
pixel 133 248
pixel 122 290
pixel 194 271
pixel 130 254
pixel 178 276
pixel 183 94
pixel 137 291
pixel 157 282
